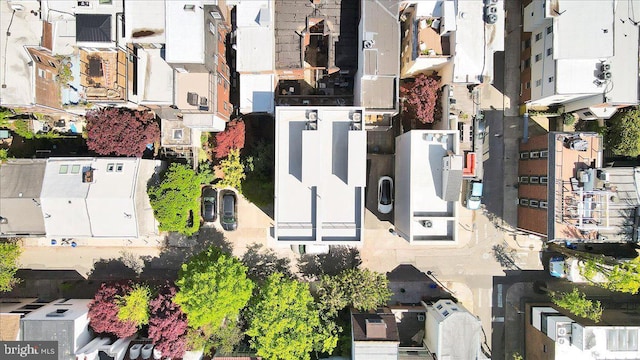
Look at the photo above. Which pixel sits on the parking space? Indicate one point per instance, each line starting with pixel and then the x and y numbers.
pixel 377 165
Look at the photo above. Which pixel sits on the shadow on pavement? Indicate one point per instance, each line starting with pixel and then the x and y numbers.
pixel 262 262
pixel 340 258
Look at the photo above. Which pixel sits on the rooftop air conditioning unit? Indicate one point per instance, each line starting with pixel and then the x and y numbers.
pixel 605 75
pixel 492 9
pixel 491 18
pixel 313 116
pixel 606 67
pixel 420 317
pixel 368 44
pixel 357 116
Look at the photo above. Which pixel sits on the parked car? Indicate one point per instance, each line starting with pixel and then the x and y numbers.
pixel 229 213
pixel 474 195
pixel 209 201
pixel 385 194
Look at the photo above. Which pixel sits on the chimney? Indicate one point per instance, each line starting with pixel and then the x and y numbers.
pixel 375 329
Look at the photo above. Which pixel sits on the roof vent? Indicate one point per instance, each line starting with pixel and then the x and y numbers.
pixel 375 329
pixel 368 44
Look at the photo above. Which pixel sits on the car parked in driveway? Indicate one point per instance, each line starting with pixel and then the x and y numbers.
pixel 209 202
pixel 385 195
pixel 474 195
pixel 229 211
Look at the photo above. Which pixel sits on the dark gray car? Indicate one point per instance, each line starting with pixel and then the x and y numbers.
pixel 229 213
pixel 209 201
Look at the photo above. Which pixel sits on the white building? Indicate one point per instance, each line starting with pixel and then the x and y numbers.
pixel 428 183
pixel 452 38
pixel 98 197
pixel 452 332
pixel 64 321
pixel 583 55
pixel 563 337
pixel 377 79
pixel 255 55
pixel 320 175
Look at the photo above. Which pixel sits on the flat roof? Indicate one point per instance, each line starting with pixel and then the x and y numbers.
pixel 584 30
pixel 155 77
pixel 185 32
pixel 21 184
pixel 105 207
pixel 255 36
pixel 320 175
pixel 576 76
pixel 422 215
pixel 566 163
pixel 257 93
pixel 475 42
pixel 381 68
pixel 145 21
pixel 341 17
pixel 359 326
pixel 624 74
pixel 15 73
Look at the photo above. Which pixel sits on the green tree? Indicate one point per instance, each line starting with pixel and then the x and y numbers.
pixel 577 303
pixel 134 306
pixel 233 170
pixel 9 255
pixel 623 132
pixel 623 276
pixel 213 287
pixel 285 322
pixel 175 200
pixel 361 288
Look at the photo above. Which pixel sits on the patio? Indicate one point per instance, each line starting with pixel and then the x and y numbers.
pixel 103 74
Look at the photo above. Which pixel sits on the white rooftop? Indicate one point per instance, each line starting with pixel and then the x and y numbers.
pixel 15 73
pixel 184 32
pixel 475 42
pixel 584 30
pixel 320 175
pixel 255 37
pixel 108 205
pixel 256 93
pixel 419 187
pixel 145 22
pixel 155 78
pixel 624 74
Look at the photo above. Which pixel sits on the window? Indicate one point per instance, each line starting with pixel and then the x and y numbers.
pixel 549 51
pixel 526 44
pixel 549 29
pixel 527 85
pixel 544 154
pixel 544 179
pixel 622 339
pixel 42 73
pixel 75 169
pixel 538 36
pixel 538 82
pixel 189 7
pixel 439 307
pixel 215 59
pixel 550 79
pixel 51 63
pixel 212 28
pixel 587 113
pixel 177 134
pixel 542 205
pixel 527 63
pixel 105 2
pixel 524 202
pixel 220 79
pixel 533 203
pixel 445 313
pixel 63 169
pixel 524 155
pixel 534 180
pixel 119 167
pixel 37 58
pixel 110 167
pixel 538 57
pixel 523 179
pixel 534 155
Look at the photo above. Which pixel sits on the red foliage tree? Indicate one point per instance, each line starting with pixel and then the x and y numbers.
pixel 103 311
pixel 119 131
pixel 421 97
pixel 231 138
pixel 168 324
